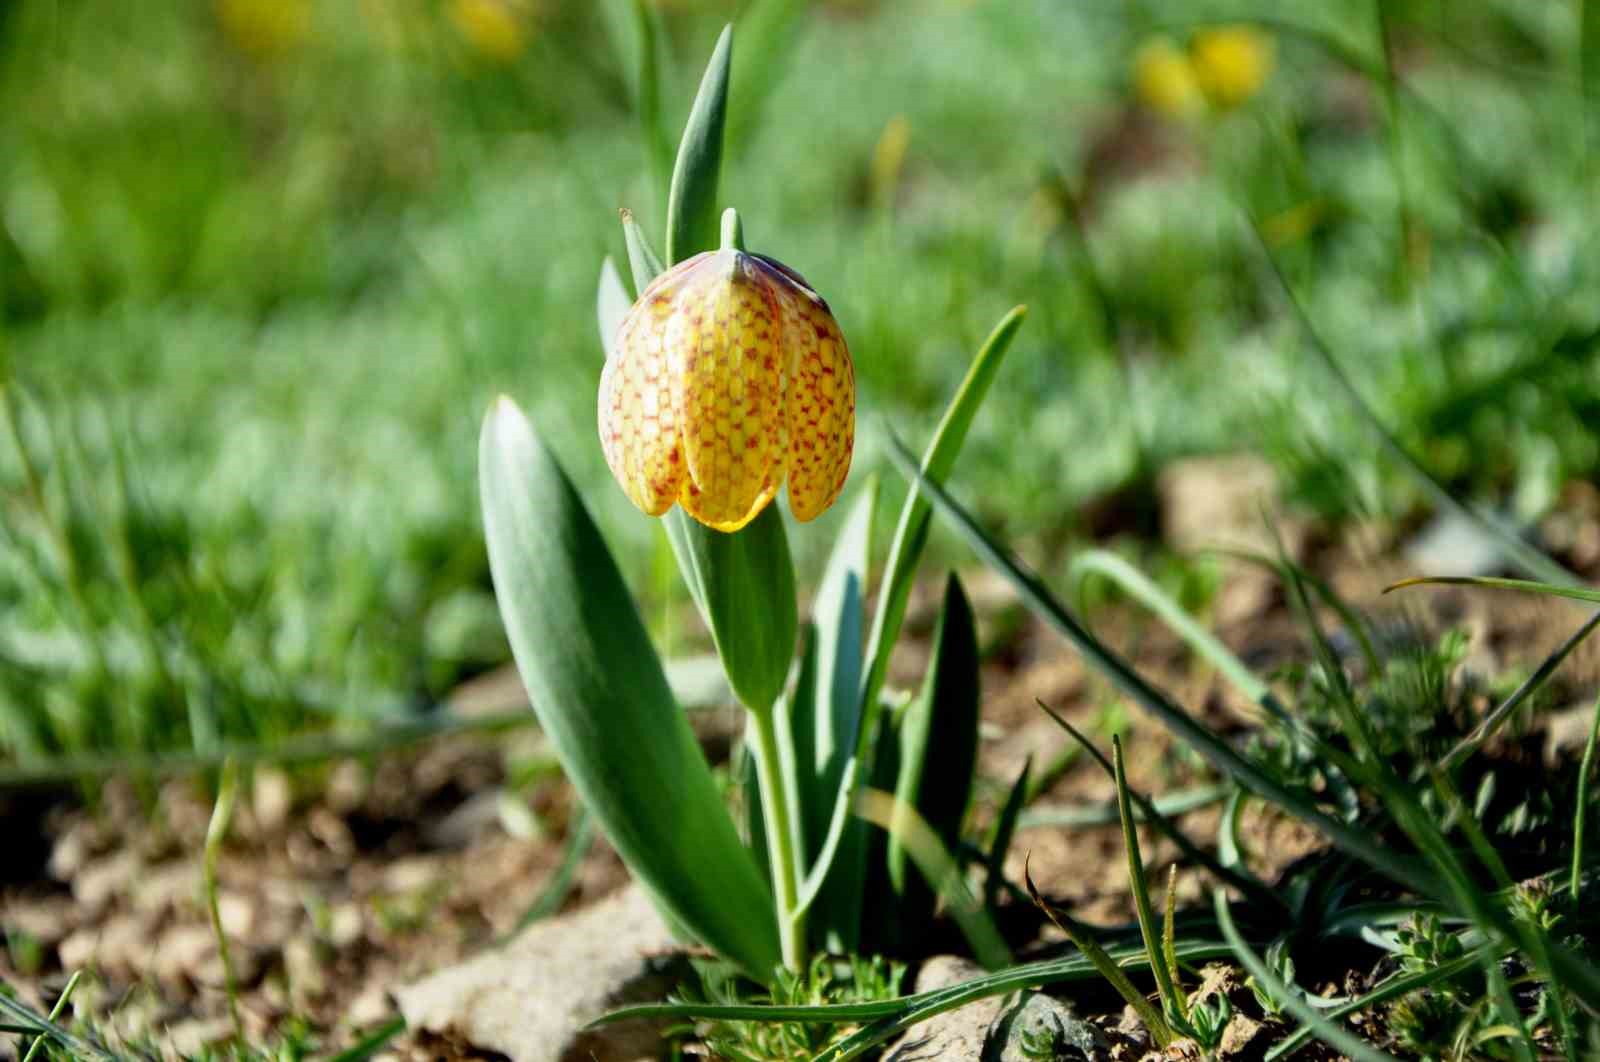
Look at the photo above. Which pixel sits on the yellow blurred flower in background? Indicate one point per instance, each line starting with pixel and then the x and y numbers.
pixel 493 28
pixel 1165 80
pixel 264 27
pixel 1231 63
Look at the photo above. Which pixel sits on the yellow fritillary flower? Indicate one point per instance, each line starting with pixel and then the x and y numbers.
pixel 264 28
pixel 1165 80
pixel 491 27
pixel 1231 63
pixel 730 378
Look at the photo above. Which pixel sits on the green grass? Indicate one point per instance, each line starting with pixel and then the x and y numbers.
pixel 280 285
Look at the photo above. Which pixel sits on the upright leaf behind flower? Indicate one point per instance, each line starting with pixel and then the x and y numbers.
pixel 601 696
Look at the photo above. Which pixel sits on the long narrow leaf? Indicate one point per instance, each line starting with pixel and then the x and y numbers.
pixel 692 201
pixel 1141 892
pixel 1152 813
pixel 601 695
pixel 1104 965
pixel 1581 811
pixel 917 1007
pixel 611 306
pixel 905 550
pixel 1335 1035
pixel 1140 587
pixel 643 261
pixel 1208 745
pixel 1005 828
pixel 939 731
pixel 826 716
pixel 940 869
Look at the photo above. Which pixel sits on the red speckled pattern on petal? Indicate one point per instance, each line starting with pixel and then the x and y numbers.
pixel 821 401
pixel 722 346
pixel 639 425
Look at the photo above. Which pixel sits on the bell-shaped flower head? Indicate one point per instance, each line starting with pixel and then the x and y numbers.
pixel 729 379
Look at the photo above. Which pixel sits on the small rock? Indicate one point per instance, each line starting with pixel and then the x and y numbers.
pixel 1450 544
pixel 271 798
pixel 345 925
pixel 182 952
pixel 190 1038
pixel 1008 1028
pixel 174 885
pixel 304 968
pixel 96 884
pixel 46 920
pixel 1038 1020
pixel 237 912
pixel 531 999
pixel 1244 1039
pixel 1567 731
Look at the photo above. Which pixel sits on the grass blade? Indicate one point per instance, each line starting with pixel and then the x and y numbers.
pixel 55 1013
pixel 1153 814
pixel 1141 588
pixel 1141 891
pixel 1103 964
pixel 1169 940
pixel 1005 828
pixel 940 869
pixel 1335 1035
pixel 1085 815
pixel 1585 769
pixel 1209 746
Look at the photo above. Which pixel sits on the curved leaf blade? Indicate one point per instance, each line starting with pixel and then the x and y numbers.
pixel 692 201
pixel 601 695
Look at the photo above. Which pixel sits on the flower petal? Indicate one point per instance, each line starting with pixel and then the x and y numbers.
pixel 638 420
pixel 728 388
pixel 821 400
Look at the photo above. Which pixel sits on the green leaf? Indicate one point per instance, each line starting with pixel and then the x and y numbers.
pixel 643 261
pixel 1141 588
pixel 838 614
pixel 911 535
pixel 647 96
pixel 602 698
pixel 1104 965
pixel 825 714
pixel 692 202
pixel 1585 770
pixel 939 731
pixel 1005 828
pixel 743 585
pixel 940 869
pixel 1334 1035
pixel 1141 892
pixel 611 306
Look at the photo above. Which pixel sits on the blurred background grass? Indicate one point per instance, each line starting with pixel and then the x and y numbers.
pixel 264 262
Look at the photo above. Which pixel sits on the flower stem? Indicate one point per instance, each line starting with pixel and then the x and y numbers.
pixel 780 838
pixel 732 231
